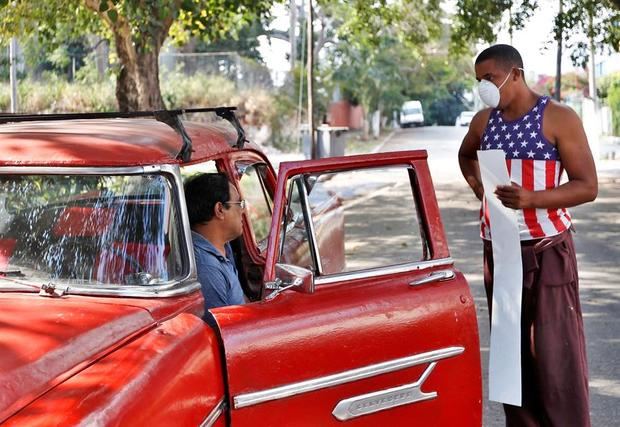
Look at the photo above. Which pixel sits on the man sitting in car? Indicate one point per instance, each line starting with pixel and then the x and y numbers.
pixel 214 209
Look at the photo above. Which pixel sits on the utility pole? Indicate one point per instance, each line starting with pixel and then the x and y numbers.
pixel 292 35
pixel 558 60
pixel 13 73
pixel 592 73
pixel 310 49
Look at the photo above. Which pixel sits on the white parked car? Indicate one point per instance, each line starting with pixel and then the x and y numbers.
pixel 411 113
pixel 464 119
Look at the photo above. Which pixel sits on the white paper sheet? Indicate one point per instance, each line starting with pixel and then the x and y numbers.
pixel 505 348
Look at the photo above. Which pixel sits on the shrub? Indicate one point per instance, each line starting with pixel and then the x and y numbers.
pixel 257 106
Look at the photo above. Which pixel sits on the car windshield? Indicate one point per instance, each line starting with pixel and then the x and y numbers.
pixel 412 110
pixel 87 230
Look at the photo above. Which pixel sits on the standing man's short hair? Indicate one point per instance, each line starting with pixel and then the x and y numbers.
pixel 202 192
pixel 504 55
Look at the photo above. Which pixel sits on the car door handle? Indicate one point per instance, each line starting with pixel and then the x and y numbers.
pixel 436 276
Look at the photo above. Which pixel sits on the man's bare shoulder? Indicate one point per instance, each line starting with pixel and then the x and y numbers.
pixel 479 121
pixel 558 111
pixel 561 123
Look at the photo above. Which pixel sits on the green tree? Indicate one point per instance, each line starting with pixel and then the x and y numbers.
pixel 373 41
pixel 597 20
pixel 138 29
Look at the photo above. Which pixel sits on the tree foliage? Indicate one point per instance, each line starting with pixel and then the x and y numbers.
pixel 477 20
pixel 376 42
pixel 137 28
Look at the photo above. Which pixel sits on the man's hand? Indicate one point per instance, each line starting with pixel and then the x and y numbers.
pixel 514 196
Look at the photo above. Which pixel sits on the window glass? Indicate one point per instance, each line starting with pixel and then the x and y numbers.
pixel 204 167
pixel 259 203
pixel 89 230
pixel 362 219
pixel 295 248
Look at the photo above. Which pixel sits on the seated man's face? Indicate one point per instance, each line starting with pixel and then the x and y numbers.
pixel 233 214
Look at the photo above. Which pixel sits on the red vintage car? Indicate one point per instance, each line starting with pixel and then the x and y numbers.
pixel 356 314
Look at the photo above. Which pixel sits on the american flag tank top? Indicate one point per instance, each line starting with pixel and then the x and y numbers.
pixel 533 163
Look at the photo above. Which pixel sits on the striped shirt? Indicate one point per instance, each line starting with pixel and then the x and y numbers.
pixel 533 163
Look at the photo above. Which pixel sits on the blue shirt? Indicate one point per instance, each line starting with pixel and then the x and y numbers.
pixel 217 274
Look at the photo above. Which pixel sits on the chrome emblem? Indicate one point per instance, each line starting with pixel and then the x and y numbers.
pixel 384 399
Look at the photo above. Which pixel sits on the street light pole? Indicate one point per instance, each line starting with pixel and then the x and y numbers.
pixel 13 73
pixel 310 75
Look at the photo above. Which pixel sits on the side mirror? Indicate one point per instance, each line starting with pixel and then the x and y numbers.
pixel 290 277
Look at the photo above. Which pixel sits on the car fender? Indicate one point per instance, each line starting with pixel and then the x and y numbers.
pixel 171 375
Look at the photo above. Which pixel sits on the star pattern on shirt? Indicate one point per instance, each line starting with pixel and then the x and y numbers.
pixel 520 139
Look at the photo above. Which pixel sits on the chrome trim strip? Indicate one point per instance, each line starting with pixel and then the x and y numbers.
pixel 382 400
pixel 214 414
pixel 254 398
pixel 393 269
pixel 314 244
pixel 182 286
pixel 79 170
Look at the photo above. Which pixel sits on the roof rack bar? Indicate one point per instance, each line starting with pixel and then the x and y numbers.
pixel 169 117
pixel 13 118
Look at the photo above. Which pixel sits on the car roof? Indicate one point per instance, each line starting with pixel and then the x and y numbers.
pixel 113 142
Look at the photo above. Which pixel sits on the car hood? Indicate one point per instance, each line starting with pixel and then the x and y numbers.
pixel 44 341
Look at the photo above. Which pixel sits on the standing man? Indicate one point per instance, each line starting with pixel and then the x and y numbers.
pixel 214 208
pixel 541 138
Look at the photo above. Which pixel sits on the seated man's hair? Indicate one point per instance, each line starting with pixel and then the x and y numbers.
pixel 202 192
pixel 504 55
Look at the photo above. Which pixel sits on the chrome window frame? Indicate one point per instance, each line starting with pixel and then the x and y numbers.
pixel 187 283
pixel 383 271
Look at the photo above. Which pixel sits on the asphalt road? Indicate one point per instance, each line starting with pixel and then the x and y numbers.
pixel 598 246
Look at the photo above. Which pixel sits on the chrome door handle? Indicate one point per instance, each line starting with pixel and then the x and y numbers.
pixel 436 276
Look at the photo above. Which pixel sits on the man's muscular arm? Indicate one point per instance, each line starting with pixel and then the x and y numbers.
pixel 562 125
pixel 468 157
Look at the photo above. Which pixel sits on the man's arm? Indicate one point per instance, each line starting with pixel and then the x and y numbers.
pixel 562 125
pixel 468 157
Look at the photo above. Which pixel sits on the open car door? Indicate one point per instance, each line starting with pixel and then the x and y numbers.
pixel 364 320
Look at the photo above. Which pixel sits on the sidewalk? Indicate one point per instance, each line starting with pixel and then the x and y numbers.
pixel 276 157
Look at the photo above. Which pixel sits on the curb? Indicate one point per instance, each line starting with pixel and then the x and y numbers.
pixel 382 144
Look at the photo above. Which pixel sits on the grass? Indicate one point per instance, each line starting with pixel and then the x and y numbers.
pixel 355 144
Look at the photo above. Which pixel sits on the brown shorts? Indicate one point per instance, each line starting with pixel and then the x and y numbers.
pixel 553 355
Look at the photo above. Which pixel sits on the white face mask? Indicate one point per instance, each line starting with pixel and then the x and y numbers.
pixel 489 93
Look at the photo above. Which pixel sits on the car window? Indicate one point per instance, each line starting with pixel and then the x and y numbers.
pixel 252 180
pixel 360 220
pixel 204 167
pixel 90 230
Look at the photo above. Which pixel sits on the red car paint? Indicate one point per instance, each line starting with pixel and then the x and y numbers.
pixel 150 359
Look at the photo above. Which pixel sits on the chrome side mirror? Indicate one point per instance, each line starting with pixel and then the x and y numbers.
pixel 290 277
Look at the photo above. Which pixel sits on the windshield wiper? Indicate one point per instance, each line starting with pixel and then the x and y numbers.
pixel 26 283
pixel 11 272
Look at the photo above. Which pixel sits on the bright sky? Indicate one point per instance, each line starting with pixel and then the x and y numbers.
pixel 535 42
